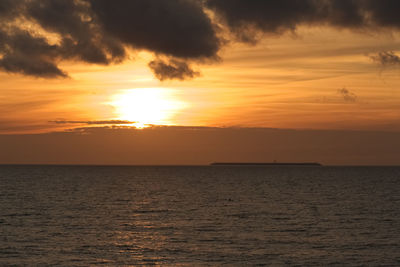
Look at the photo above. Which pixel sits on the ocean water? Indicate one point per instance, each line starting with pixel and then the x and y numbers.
pixel 199 216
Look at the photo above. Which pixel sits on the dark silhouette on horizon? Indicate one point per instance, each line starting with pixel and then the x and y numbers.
pixel 267 163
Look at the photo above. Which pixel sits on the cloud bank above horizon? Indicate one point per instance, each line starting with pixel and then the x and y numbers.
pixel 201 145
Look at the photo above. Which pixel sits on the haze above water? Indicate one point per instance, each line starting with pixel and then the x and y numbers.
pixel 196 216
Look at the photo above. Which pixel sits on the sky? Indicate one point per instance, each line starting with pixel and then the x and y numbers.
pixel 212 68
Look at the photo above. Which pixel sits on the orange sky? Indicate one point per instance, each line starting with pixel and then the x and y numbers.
pixel 91 81
pixel 289 81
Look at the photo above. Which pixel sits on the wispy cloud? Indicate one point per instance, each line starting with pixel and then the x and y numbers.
pixel 347 95
pixel 105 122
pixel 386 59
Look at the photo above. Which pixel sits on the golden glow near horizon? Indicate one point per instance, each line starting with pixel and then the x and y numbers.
pixel 146 106
pixel 285 82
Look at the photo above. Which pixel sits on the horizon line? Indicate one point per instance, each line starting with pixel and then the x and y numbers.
pixel 188 165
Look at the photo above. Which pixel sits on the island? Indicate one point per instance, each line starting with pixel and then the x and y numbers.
pixel 266 164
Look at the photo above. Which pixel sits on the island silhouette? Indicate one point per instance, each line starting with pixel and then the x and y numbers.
pixel 267 163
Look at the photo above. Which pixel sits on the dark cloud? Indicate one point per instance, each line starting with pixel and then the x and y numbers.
pixel 178 28
pixel 93 122
pixel 383 13
pixel 347 95
pixel 9 7
pixel 386 58
pixel 80 37
pixel 30 66
pixel 341 13
pixel 246 18
pixel 173 69
pixel 28 54
pixel 101 31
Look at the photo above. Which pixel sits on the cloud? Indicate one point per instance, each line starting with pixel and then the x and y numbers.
pixel 347 95
pixel 9 7
pixel 28 54
pixel 386 58
pixel 247 18
pixel 178 28
pixel 244 18
pixel 99 32
pixel 382 13
pixel 30 66
pixel 81 38
pixel 23 50
pixel 171 145
pixel 109 122
pixel 35 35
pixel 173 69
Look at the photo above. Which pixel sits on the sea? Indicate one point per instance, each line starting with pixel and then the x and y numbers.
pixel 199 216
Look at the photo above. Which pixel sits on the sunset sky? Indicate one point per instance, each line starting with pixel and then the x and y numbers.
pixel 307 65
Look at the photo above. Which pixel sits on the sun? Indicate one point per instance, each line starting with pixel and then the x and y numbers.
pixel 146 106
